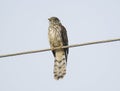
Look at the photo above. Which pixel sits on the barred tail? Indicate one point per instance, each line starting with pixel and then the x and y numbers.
pixel 59 64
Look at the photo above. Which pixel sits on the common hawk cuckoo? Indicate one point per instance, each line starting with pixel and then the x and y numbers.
pixel 57 35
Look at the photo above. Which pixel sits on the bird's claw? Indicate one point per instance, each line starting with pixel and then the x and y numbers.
pixel 60 47
pixel 52 48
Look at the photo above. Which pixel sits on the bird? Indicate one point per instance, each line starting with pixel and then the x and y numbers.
pixel 57 36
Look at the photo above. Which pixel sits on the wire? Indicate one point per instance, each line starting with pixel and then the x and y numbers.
pixel 48 49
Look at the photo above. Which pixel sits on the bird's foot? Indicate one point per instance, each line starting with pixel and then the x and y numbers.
pixel 61 47
pixel 52 48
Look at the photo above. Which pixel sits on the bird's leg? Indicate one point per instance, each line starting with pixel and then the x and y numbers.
pixel 52 48
pixel 61 45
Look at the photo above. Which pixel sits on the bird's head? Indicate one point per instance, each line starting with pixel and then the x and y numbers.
pixel 54 20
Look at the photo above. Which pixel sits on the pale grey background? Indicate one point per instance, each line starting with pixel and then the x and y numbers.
pixel 24 27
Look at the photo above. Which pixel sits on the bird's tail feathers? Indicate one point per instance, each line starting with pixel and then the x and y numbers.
pixel 59 65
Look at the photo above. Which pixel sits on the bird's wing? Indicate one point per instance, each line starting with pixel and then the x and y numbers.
pixel 64 40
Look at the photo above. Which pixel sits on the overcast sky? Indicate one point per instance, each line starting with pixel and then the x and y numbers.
pixel 24 27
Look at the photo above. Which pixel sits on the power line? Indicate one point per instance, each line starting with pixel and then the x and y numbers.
pixel 70 46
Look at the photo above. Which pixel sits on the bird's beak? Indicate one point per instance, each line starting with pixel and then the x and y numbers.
pixel 49 19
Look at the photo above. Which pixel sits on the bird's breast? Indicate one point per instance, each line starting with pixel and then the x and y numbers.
pixel 55 37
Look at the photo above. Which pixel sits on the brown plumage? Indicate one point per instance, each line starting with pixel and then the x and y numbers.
pixel 58 37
